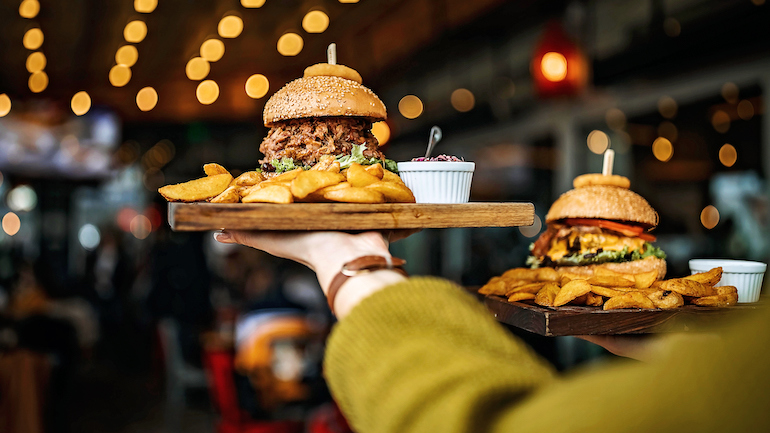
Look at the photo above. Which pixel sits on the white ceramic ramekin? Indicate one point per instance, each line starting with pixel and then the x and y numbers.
pixel 438 181
pixel 745 275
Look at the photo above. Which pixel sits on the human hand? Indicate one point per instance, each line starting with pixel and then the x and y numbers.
pixel 639 347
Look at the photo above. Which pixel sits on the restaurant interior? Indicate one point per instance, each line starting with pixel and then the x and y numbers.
pixel 112 322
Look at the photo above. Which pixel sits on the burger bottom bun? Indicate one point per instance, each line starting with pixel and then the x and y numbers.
pixel 632 267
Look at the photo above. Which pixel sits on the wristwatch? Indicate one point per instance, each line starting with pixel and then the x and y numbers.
pixel 363 265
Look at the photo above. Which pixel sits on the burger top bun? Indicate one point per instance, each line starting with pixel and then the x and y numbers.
pixel 605 202
pixel 323 96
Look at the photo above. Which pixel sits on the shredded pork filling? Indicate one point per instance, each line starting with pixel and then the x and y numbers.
pixel 306 140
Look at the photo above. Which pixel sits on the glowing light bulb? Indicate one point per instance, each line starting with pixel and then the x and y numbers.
pixel 145 6
pixel 230 26
pixel 81 103
pixel 38 82
pixel 36 62
pixel 709 217
pixel 147 99
pixel 11 224
pixel 728 155
pixel 598 141
pixel 120 75
pixel 315 22
pixel 29 9
pixel 257 86
pixel 462 100
pixel 33 39
pixel 662 149
pixel 5 108
pixel 135 31
pixel 212 50
pixel 720 121
pixel 554 66
pixel 127 55
pixel 290 44
pixel 410 106
pixel 252 3
pixel 207 92
pixel 197 68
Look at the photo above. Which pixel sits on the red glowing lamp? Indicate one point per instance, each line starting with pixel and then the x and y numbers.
pixel 559 67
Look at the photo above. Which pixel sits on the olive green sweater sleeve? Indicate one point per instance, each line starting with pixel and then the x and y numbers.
pixel 423 356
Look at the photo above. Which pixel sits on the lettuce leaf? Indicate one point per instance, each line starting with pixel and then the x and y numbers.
pixel 285 164
pixel 616 256
pixel 357 155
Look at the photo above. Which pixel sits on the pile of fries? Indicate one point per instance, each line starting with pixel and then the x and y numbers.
pixel 611 290
pixel 324 182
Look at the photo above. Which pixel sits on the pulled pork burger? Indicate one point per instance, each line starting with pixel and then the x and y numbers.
pixel 599 224
pixel 326 112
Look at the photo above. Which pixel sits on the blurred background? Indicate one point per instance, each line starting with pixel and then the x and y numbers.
pixel 110 322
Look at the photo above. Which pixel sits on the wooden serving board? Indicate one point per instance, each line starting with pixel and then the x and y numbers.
pixel 346 216
pixel 576 320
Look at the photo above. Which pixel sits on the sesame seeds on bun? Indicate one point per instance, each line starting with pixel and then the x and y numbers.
pixel 323 96
pixel 605 202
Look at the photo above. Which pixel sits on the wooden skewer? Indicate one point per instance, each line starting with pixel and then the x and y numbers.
pixel 331 54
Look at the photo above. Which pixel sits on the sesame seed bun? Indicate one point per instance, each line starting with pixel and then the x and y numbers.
pixel 605 202
pixel 323 96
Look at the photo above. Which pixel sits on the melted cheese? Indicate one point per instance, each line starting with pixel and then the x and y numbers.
pixel 591 242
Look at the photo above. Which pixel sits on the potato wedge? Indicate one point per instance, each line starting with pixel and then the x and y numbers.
pixel 393 192
pixel 666 299
pixel 375 170
pixel 313 180
pixel 355 195
pixel 570 291
pixel 645 279
pixel 323 163
pixel 547 295
pixel 629 300
pixel 229 195
pixel 709 278
pixel 196 190
pixel 213 168
pixel 495 286
pixel 249 178
pixel 389 176
pixel 594 300
pixel 359 177
pixel 270 194
pixel 686 287
pixel 521 296
pixel 539 274
pixel 607 292
pixel 611 281
pixel 287 176
pixel 727 298
pixel 525 288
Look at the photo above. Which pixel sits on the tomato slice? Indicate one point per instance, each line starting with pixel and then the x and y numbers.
pixel 625 229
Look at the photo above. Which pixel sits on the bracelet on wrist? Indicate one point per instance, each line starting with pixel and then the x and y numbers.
pixel 359 266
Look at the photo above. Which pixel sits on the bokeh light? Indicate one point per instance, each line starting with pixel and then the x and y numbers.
pixel 124 218
pixel 147 99
pixel 662 149
pixel 745 110
pixel 5 105
pixel 728 155
pixel 315 22
pixel 127 55
pixel 33 39
pixel 668 130
pixel 207 92
pixel 598 141
pixel 38 82
pixel 89 237
pixel 720 121
pixel 615 118
pixel 197 68
pixel 348 1
pixel 252 3
pixel 135 31
pixel 29 9
pixel 730 92
pixel 462 100
pixel 212 50
pixel 153 214
pixel 290 44
pixel 257 86
pixel 554 66
pixel 709 217
pixel 120 75
pixel 667 107
pixel 140 227
pixel 381 131
pixel 230 26
pixel 410 106
pixel 672 27
pixel 36 62
pixel 145 6
pixel 81 103
pixel 533 230
pixel 22 199
pixel 758 2
pixel 11 223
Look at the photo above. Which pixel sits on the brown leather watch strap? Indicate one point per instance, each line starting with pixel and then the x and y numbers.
pixel 362 265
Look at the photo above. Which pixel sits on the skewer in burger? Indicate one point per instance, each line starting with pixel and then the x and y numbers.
pixel 599 224
pixel 326 112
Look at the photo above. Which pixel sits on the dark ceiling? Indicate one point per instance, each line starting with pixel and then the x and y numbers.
pixel 82 36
